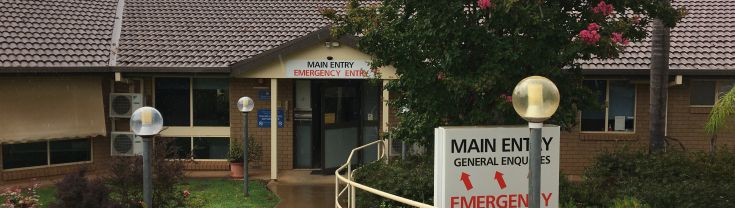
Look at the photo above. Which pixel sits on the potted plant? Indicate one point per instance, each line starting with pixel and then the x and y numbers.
pixel 234 156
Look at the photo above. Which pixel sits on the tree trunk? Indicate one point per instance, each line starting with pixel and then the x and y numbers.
pixel 659 85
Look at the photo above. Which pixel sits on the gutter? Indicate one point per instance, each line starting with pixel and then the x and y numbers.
pixel 698 72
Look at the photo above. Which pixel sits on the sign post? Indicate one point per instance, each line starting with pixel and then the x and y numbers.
pixel 489 166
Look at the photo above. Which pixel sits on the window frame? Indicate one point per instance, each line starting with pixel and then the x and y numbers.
pixel 191 148
pixel 607 110
pixel 718 85
pixel 191 130
pixel 48 157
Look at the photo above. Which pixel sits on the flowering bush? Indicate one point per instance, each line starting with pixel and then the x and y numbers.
pixel 455 57
pixel 20 197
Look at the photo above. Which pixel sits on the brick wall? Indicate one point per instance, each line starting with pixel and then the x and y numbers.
pixel 250 88
pixel 686 123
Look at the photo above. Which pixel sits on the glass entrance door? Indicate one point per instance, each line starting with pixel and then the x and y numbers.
pixel 332 117
pixel 341 118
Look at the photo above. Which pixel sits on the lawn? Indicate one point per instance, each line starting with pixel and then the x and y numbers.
pixel 217 193
pixel 228 193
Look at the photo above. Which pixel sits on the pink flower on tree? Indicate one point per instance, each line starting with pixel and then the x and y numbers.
pixel 603 8
pixel 484 4
pixel 590 35
pixel 617 37
pixel 593 26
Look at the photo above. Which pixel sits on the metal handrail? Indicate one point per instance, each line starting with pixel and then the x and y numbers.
pixel 350 185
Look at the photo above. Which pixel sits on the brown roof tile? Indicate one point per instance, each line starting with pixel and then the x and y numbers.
pixel 212 33
pixel 704 39
pixel 55 33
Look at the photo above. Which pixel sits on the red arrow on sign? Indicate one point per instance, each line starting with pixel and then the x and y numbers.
pixel 466 179
pixel 499 178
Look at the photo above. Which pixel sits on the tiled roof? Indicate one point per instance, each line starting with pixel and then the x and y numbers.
pixel 704 39
pixel 218 33
pixel 212 33
pixel 55 33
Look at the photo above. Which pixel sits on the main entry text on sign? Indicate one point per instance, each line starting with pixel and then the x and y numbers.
pixel 329 69
pixel 487 167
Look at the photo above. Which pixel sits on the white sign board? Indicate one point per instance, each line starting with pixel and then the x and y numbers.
pixel 488 167
pixel 329 69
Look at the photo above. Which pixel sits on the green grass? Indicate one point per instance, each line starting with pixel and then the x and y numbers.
pixel 46 195
pixel 216 193
pixel 228 193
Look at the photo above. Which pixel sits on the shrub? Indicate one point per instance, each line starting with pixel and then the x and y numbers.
pixel 75 190
pixel 126 178
pixel 412 178
pixel 20 197
pixel 672 179
pixel 628 202
pixel 255 151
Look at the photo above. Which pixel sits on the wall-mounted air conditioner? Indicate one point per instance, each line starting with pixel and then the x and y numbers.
pixel 125 144
pixel 122 105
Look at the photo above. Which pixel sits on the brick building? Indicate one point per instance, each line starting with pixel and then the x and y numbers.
pixel 64 64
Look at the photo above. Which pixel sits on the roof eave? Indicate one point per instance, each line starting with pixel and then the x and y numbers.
pixel 290 47
pixel 65 69
pixel 172 69
pixel 701 72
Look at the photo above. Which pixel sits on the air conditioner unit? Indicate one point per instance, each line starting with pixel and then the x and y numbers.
pixel 122 105
pixel 125 144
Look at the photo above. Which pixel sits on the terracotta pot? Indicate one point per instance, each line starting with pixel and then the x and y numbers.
pixel 236 170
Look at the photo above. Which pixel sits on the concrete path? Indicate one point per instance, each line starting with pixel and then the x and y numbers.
pixel 298 188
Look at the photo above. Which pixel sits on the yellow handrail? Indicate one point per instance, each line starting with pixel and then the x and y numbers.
pixel 351 185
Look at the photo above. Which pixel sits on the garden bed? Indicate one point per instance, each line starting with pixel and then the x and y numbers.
pixel 213 192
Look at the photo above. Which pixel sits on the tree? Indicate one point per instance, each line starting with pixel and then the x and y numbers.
pixel 458 60
pixel 660 42
pixel 721 114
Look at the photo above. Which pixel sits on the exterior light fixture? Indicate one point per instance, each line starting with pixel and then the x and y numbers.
pixel 535 99
pixel 146 122
pixel 245 105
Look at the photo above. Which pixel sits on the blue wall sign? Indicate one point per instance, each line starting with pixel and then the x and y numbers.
pixel 264 118
pixel 264 94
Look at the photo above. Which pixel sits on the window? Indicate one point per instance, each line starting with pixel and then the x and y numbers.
pixel 172 100
pixel 618 111
pixel 706 92
pixel 211 99
pixel 193 101
pixel 39 153
pixel 201 147
pixel 211 148
pixel 182 146
pixel 24 155
pixel 66 151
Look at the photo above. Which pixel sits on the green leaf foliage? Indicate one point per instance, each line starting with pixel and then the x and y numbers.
pixel 670 179
pixel 722 113
pixel 456 61
pixel 412 178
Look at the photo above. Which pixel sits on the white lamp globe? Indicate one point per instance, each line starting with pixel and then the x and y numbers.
pixel 146 121
pixel 245 104
pixel 535 99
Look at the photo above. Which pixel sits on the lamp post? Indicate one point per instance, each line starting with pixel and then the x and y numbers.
pixel 535 99
pixel 245 105
pixel 146 122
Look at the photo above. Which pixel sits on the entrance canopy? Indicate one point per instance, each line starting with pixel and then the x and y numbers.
pixel 39 108
pixel 314 56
